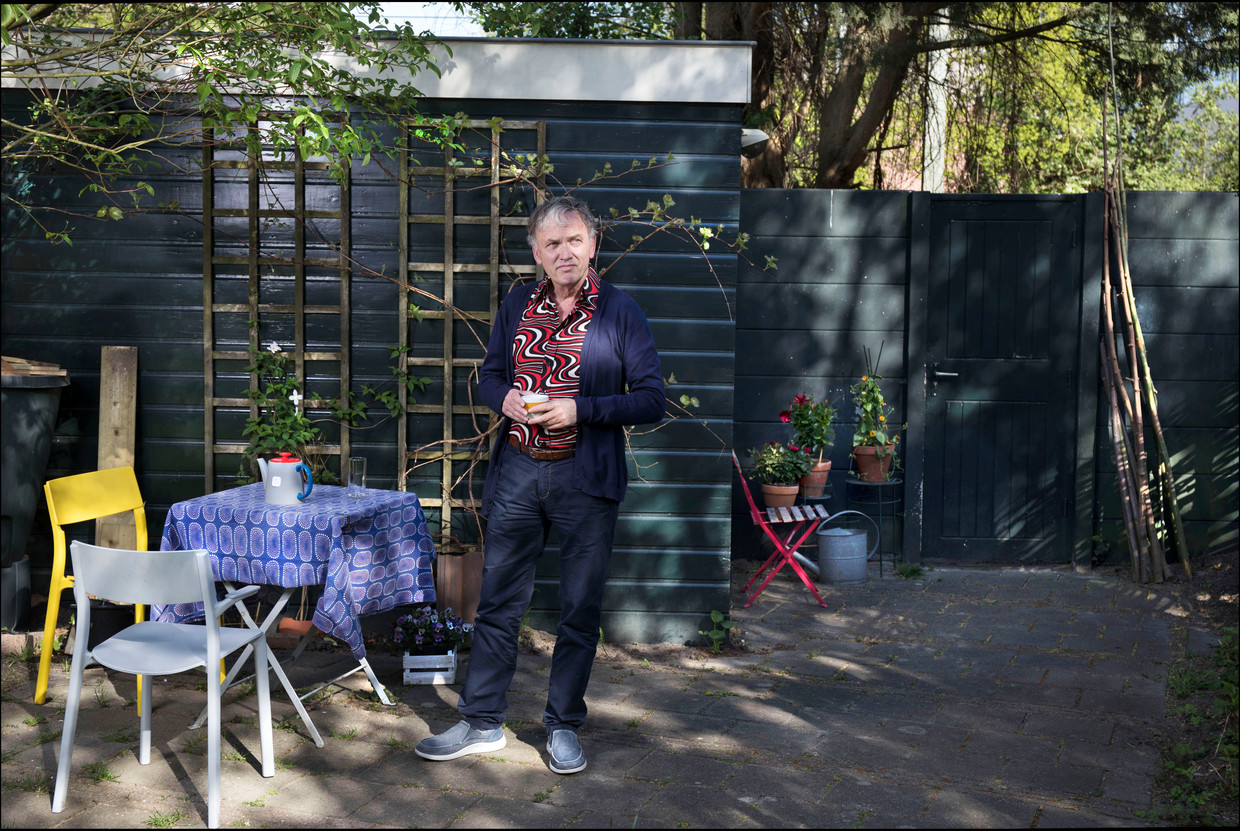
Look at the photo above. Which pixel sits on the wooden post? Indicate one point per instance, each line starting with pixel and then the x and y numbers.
pixel 118 403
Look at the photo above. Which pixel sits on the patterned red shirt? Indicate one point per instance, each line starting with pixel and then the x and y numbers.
pixel 546 356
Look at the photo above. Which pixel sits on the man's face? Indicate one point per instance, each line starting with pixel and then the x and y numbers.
pixel 564 252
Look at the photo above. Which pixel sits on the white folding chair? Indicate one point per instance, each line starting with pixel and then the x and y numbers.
pixel 151 648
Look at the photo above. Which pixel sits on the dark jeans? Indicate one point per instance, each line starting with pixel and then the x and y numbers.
pixel 531 498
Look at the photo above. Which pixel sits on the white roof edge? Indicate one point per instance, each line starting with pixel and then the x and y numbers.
pixel 700 72
pixel 544 69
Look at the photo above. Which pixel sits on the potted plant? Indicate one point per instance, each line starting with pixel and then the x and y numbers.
pixel 874 439
pixel 780 469
pixel 429 640
pixel 813 432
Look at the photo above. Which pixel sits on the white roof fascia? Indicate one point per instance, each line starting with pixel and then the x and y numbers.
pixel 522 69
pixel 543 69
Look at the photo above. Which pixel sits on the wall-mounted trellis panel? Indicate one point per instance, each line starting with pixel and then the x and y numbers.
pixel 459 198
pixel 275 265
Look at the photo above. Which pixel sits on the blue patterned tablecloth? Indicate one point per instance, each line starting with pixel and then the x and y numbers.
pixel 370 554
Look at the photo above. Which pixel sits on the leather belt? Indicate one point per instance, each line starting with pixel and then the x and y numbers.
pixel 541 455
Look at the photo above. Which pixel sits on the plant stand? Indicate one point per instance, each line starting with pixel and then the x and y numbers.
pixel 430 669
pixel 880 501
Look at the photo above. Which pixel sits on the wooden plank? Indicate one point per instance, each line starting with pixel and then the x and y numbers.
pixel 118 410
pixel 22 366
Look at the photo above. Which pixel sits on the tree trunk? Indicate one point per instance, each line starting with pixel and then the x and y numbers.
pixel 689 21
pixel 843 141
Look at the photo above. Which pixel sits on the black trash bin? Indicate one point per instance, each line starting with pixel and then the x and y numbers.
pixel 29 401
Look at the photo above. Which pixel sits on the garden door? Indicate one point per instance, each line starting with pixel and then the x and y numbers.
pixel 1002 285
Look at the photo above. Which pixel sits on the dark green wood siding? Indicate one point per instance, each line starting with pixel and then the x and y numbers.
pixel 138 282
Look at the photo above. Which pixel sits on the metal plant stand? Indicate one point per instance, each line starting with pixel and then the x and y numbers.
pixel 881 501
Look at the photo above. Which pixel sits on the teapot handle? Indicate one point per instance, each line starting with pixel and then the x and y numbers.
pixel 305 472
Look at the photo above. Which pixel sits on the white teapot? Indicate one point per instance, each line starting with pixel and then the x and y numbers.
pixel 283 478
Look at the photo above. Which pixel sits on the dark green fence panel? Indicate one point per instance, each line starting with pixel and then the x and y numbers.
pixel 839 288
pixel 1185 261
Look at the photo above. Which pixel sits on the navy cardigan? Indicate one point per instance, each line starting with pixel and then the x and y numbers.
pixel 618 352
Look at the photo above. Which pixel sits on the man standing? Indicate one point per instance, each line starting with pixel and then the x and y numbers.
pixel 560 464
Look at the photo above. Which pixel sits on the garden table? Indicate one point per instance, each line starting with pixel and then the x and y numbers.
pixel 370 554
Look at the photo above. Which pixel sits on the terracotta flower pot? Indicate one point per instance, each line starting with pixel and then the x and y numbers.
pixel 779 496
pixel 870 466
pixel 814 482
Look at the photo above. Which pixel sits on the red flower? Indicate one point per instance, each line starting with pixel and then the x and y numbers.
pixel 794 448
pixel 800 399
pixel 785 416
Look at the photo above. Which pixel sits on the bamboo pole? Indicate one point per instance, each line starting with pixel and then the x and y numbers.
pixel 1170 502
pixel 1153 552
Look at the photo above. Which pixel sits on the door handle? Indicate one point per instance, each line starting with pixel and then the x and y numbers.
pixel 936 375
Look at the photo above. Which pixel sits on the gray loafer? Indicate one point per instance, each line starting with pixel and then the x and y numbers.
pixel 565 752
pixel 460 741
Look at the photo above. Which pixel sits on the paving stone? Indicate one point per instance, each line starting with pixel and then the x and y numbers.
pixel 936 765
pixel 964 809
pixel 1096 730
pixel 877 803
pixel 1032 749
pixel 668 768
pixel 494 812
pixel 1073 780
pixel 1079 817
pixel 978 697
pixel 996 717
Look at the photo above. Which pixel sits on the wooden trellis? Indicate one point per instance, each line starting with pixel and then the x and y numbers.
pixel 458 181
pixel 272 255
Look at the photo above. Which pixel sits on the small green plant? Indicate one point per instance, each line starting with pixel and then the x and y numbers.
pixel 1200 773
pixel 164 820
pixel 346 734
pixel 122 736
pixel 396 744
pixel 100 772
pixel 31 784
pixel 715 637
pixel 778 465
pixel 26 654
pixel 909 571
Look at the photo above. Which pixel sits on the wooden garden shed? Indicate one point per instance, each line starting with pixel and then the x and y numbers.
pixel 311 261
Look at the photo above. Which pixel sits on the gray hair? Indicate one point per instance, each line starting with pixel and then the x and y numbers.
pixel 557 210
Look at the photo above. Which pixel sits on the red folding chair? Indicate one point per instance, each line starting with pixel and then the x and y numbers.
pixel 808 517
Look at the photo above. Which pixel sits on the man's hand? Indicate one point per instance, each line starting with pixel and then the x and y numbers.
pixel 556 414
pixel 514 407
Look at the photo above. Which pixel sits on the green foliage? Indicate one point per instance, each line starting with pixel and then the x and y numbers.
pixel 909 571
pixel 108 106
pixel 573 20
pixel 812 428
pixel 778 465
pixel 718 633
pixel 1200 772
pixel 281 424
pixel 873 427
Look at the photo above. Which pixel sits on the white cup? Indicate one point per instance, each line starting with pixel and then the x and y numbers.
pixel 533 399
pixel 355 470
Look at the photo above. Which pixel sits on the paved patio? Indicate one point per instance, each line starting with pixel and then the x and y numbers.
pixel 967 698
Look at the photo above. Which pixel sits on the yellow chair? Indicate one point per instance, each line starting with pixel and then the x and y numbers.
pixel 75 499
